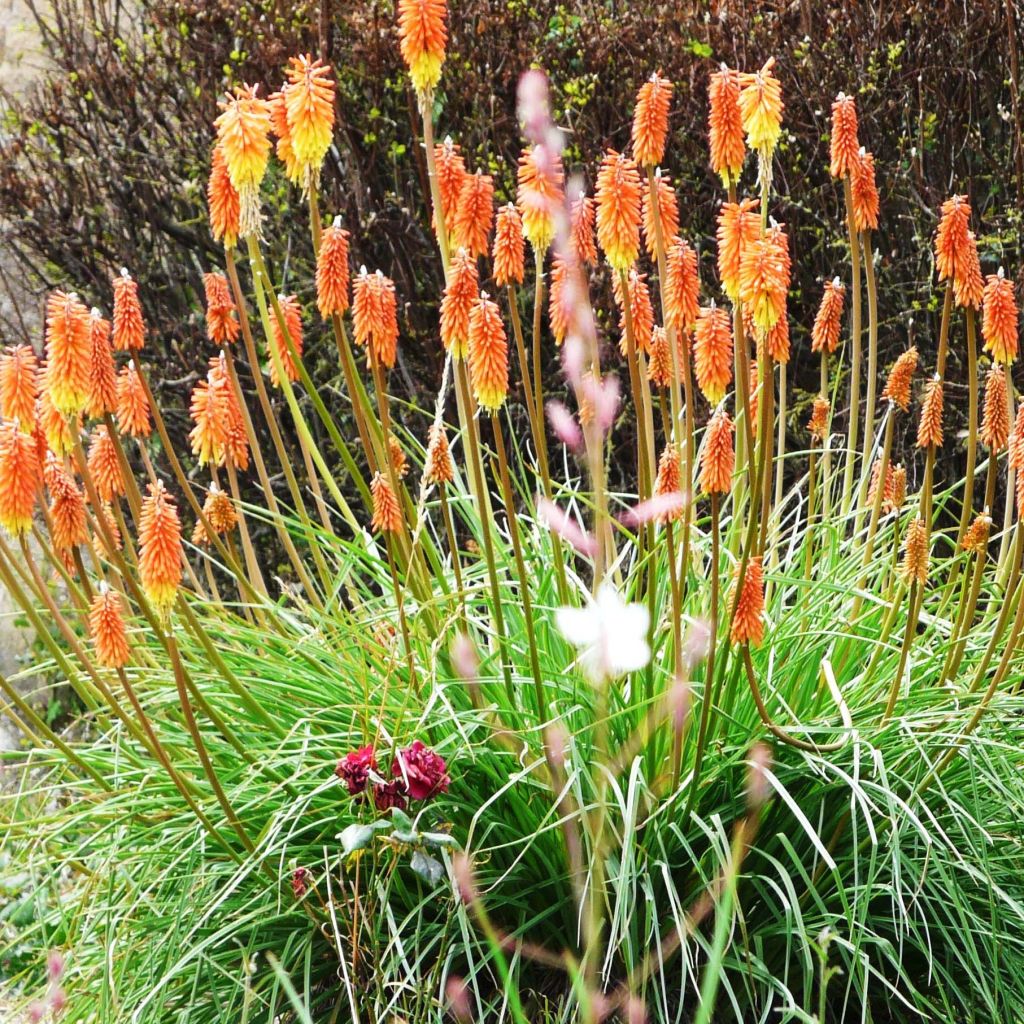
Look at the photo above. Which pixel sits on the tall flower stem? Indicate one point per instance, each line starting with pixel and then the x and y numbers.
pixel 645 455
pixel 453 546
pixel 536 417
pixel 855 332
pixel 966 513
pixel 872 391
pixel 1011 476
pixel 538 381
pixel 826 446
pixel 876 511
pixel 908 638
pixel 524 579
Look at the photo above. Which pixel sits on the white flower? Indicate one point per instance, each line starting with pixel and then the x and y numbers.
pixel 610 634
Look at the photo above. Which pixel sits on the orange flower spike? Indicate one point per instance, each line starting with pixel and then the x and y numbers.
pixel 129 327
pixel 19 385
pixel 748 613
pixel 641 310
pixel 243 134
pixel 133 416
pixel 332 273
pixel 969 285
pixel 66 511
pixel 558 309
pixel 539 195
pixel 103 465
pixel 223 203
pixel 102 372
pixel 650 121
pixel 618 210
pixel 422 36
pixel 107 628
pixel 915 554
pixel 222 326
pixel 764 280
pixel 844 150
pixel 460 295
pixel 209 412
pixel 718 458
pixel 659 366
pixel 384 343
pixel 995 422
pixel 668 482
pixel 236 447
pixel 451 173
pixel 220 511
pixel 668 210
pixel 488 354
pixel 160 554
pixel 68 353
pixel 725 124
pixel 929 430
pixel 399 463
pixel 474 214
pixel 897 387
pixel 20 479
pixel 439 468
pixel 1015 445
pixel 776 341
pixel 1000 318
pixel 897 485
pixel 761 108
pixel 952 240
pixel 55 428
pixel 581 233
pixel 817 425
pixel 292 313
pixel 976 537
pixel 739 226
pixel 278 107
pixel 387 516
pixel 309 105
pixel 682 287
pixel 712 351
pixel 828 321
pixel 864 192
pixel 509 251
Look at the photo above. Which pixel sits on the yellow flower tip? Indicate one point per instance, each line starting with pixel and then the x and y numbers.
pixel 309 109
pixel 243 136
pixel 422 37
pixel 488 354
pixel 764 281
pixel 761 109
pixel 539 194
pixel 618 210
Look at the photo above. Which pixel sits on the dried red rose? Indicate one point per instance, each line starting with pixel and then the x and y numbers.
pixel 355 767
pixel 389 794
pixel 300 882
pixel 423 772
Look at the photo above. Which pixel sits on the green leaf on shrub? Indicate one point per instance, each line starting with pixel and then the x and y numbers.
pixel 429 869
pixel 699 49
pixel 356 837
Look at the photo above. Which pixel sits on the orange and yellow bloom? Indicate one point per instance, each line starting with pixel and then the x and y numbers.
pixel 618 210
